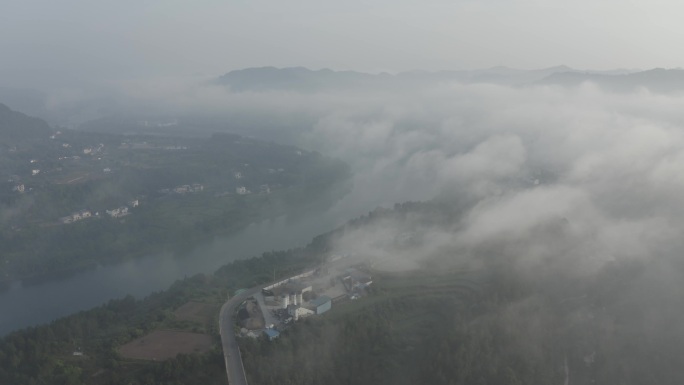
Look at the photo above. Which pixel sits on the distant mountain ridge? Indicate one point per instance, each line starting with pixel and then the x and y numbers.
pixel 301 79
pixel 656 80
pixel 17 127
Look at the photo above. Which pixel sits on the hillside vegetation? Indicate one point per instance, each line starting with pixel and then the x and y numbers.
pixel 489 319
pixel 44 354
pixel 477 320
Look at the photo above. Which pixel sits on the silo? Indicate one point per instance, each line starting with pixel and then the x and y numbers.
pixel 300 298
pixel 293 298
pixel 286 301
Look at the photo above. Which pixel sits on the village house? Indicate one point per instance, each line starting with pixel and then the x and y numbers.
pixel 77 216
pixel 118 212
pixel 186 188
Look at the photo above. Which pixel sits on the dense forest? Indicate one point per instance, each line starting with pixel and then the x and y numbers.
pixel 483 327
pixel 489 319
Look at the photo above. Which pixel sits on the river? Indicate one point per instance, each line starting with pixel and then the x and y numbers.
pixel 31 304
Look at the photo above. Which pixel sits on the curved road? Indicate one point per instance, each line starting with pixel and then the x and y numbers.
pixel 231 353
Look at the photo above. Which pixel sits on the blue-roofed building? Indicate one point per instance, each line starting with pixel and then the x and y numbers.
pixel 272 334
pixel 321 304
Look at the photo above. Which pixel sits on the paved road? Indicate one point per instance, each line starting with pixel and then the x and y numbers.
pixel 231 352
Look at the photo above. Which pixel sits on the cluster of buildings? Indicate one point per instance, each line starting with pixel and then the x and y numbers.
pixel 118 212
pixel 93 150
pixel 84 214
pixel 264 189
pixel 295 301
pixel 76 216
pixel 123 210
pixel 308 294
pixel 184 189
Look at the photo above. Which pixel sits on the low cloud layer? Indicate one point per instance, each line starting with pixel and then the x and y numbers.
pixel 520 158
pixel 517 158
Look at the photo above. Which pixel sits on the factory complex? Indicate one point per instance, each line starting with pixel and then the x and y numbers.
pixel 311 293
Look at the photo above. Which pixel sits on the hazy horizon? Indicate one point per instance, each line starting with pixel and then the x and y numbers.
pixel 47 44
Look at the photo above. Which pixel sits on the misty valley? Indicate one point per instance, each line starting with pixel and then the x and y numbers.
pixel 296 226
pixel 71 199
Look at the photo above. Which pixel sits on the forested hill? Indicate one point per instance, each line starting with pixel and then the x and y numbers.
pixel 16 127
pixel 485 316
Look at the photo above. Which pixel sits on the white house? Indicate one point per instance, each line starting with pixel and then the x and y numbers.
pixel 118 212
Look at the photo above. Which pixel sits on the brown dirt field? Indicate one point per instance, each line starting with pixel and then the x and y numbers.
pixel 164 344
pixel 194 311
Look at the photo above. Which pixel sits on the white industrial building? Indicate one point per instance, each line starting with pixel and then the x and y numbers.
pixel 297 312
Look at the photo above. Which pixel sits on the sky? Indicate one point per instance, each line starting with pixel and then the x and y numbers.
pixel 45 42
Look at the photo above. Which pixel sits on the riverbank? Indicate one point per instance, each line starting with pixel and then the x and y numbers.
pixel 43 301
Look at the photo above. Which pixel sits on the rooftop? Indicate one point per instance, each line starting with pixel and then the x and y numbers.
pixel 320 300
pixel 272 333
